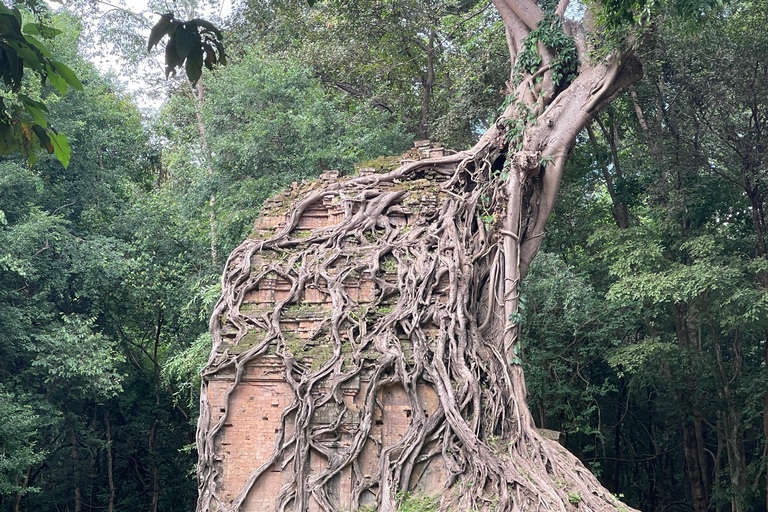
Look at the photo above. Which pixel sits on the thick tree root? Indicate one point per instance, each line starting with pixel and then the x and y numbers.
pixel 447 327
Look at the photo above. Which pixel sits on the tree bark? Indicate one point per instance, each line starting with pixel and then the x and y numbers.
pixel 76 470
pixel 699 499
pixel 197 93
pixel 732 427
pixel 427 84
pixel 765 422
pixel 110 466
pixel 20 494
pixel 620 211
pixel 155 470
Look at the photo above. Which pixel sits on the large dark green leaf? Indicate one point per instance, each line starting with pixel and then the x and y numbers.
pixel 29 56
pixel 67 74
pixel 12 67
pixel 60 147
pixel 194 65
pixel 29 101
pixel 186 42
pixel 14 13
pixel 207 25
pixel 222 54
pixel 40 46
pixel 194 44
pixel 172 58
pixel 159 30
pixel 41 29
pixel 9 26
pixel 56 80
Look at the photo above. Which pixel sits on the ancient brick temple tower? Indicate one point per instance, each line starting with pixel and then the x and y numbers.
pixel 247 416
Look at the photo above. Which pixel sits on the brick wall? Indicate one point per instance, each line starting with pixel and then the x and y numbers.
pixel 253 421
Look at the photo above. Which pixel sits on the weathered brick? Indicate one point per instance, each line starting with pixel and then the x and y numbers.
pixel 255 406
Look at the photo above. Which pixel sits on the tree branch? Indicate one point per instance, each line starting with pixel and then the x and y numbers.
pixel 627 74
pixel 525 10
pixel 513 25
pixel 638 111
pixel 352 90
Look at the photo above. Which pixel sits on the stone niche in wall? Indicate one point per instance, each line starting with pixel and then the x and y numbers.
pixel 253 409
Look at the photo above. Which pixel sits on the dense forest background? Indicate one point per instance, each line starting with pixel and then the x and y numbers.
pixel 645 315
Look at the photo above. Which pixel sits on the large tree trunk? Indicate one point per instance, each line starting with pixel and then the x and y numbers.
pixel 509 178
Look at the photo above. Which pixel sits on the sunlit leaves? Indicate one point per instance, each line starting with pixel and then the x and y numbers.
pixel 617 14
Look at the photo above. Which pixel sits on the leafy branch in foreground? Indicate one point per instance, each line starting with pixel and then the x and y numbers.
pixel 23 123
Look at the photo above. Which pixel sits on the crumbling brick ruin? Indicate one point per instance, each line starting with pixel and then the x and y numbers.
pixel 246 440
pixel 311 332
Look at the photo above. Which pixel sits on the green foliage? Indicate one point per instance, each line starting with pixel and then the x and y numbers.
pixel 24 126
pixel 419 503
pixel 566 328
pixel 76 360
pixel 18 450
pixel 515 130
pixel 617 15
pixel 685 282
pixel 181 371
pixel 388 64
pixel 90 260
pixel 268 122
pixel 565 63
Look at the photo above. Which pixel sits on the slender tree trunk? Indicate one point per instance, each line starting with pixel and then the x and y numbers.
pixel 732 425
pixel 76 471
pixel 110 465
pixel 620 211
pixel 427 85
pixel 20 494
pixel 765 422
pixel 702 454
pixel 214 236
pixel 197 94
pixel 700 502
pixel 617 434
pixel 719 454
pixel 691 448
pixel 758 218
pixel 154 469
pixel 153 431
